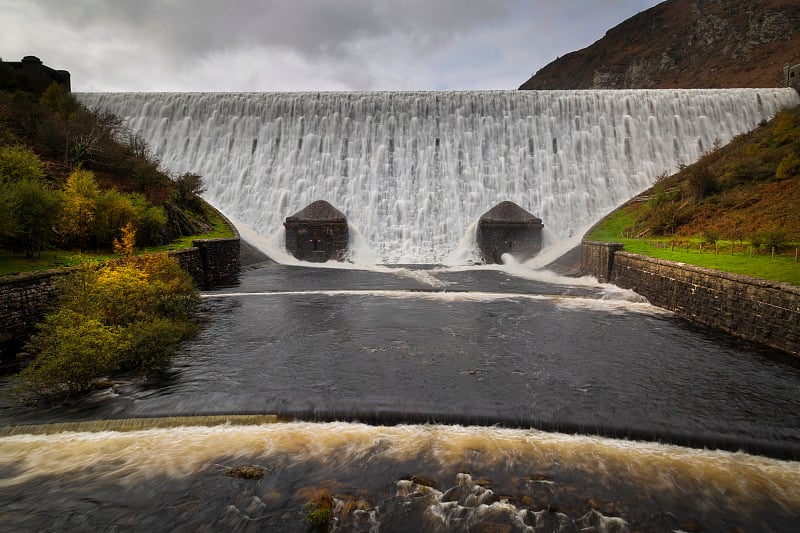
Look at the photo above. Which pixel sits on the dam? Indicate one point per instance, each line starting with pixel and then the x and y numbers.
pixel 413 172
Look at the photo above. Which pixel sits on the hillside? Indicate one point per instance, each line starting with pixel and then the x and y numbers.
pixel 72 180
pixel 686 44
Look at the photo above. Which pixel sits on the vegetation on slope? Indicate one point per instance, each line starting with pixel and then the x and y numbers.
pixel 71 179
pixel 736 209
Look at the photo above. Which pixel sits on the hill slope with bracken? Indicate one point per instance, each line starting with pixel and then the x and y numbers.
pixel 687 44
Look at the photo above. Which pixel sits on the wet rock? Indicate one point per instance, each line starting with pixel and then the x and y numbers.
pixel 507 228
pixel 550 521
pixel 665 522
pixel 598 522
pixel 317 233
pixel 102 384
pixel 691 525
pixel 245 472
pixel 423 481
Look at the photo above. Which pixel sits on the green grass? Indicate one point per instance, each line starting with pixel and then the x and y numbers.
pixel 219 230
pixel 782 267
pixel 11 263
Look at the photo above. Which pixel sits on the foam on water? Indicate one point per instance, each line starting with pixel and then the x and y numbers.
pixel 613 300
pixel 136 454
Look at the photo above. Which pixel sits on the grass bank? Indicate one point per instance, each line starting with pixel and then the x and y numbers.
pixel 735 256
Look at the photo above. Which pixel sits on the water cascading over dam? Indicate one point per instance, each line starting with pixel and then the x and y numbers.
pixel 413 171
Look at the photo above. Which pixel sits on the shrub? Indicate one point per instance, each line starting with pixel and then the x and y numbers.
pixel 775 237
pixel 700 180
pixel 71 351
pixel 663 218
pixel 785 128
pixel 190 187
pixel 710 236
pixel 149 343
pixel 788 167
pixel 319 511
pixel 125 315
pixel 19 163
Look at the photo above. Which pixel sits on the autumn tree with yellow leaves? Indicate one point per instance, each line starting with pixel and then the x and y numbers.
pixel 124 316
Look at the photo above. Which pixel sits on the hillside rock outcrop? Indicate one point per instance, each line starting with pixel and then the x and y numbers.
pixel 687 44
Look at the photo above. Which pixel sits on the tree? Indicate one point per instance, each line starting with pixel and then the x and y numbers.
pixel 59 101
pixel 35 209
pixel 114 210
pixel 700 180
pixel 80 204
pixel 149 220
pixel 127 243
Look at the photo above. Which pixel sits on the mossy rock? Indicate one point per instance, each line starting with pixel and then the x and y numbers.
pixel 246 472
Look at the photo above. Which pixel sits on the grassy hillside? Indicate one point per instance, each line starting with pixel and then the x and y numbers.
pixel 737 209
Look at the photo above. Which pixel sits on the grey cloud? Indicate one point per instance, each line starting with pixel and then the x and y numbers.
pixel 308 27
pixel 303 44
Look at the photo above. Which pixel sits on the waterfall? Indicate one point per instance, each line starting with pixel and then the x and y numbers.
pixel 414 170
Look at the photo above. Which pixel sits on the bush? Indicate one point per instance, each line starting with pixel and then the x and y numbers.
pixel 700 180
pixel 71 351
pixel 773 238
pixel 663 218
pixel 190 187
pixel 788 167
pixel 126 315
pixel 710 236
pixel 785 129
pixel 18 163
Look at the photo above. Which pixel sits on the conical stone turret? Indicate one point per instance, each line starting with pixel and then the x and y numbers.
pixel 508 229
pixel 317 233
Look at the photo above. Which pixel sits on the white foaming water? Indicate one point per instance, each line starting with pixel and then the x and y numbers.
pixel 413 171
pixel 613 300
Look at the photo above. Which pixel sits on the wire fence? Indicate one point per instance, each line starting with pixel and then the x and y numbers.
pixel 728 248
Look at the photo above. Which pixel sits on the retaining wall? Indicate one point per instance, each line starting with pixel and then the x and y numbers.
pixel 24 298
pixel 210 261
pixel 766 312
pixel 597 258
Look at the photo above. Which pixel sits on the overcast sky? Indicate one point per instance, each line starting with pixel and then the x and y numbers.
pixel 303 45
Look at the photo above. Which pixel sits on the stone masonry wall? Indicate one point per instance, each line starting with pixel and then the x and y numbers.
pixel 24 298
pixel 759 310
pixel 221 258
pixel 767 312
pixel 597 259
